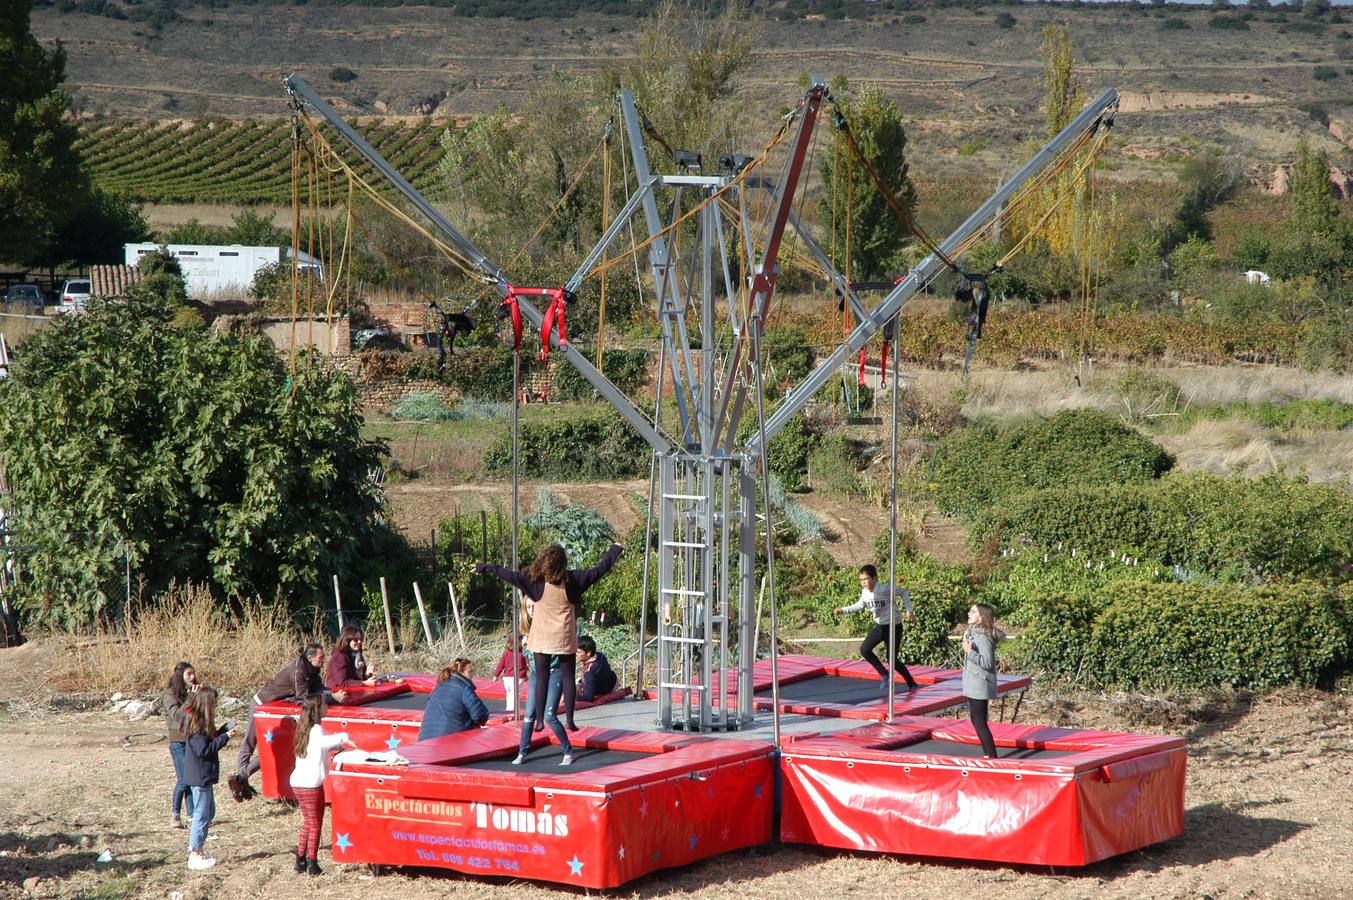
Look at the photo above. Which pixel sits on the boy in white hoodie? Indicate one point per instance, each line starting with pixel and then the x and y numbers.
pixel 881 600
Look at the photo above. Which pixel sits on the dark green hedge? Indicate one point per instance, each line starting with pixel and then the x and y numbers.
pixel 1225 527
pixel 592 446
pixel 1187 636
pixel 976 467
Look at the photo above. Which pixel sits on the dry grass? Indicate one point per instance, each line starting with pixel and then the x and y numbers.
pixel 1242 447
pixel 235 649
pixel 16 327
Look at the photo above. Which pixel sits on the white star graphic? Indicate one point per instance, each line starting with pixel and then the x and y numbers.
pixel 622 851
pixel 643 809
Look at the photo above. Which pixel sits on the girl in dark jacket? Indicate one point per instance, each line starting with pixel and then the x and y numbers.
pixel 454 706
pixel 202 769
pixel 182 685
pixel 556 592
pixel 347 663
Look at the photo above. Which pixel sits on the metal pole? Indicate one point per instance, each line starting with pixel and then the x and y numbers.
pixel 770 537
pixel 516 596
pixel 892 544
pixel 338 604
pixel 648 528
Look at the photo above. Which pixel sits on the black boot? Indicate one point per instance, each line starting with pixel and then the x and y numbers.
pixel 311 867
pixel 300 863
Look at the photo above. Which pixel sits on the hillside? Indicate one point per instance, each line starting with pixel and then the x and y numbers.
pixel 970 87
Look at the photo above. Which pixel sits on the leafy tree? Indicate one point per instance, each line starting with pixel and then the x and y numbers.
pixel 95 234
pixel 1314 209
pixel 162 277
pixel 854 204
pixel 1205 182
pixel 190 454
pixel 1062 96
pixel 41 185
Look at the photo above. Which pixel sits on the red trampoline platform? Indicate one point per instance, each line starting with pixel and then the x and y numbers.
pixel 1056 796
pixel 382 717
pixel 850 689
pixel 633 802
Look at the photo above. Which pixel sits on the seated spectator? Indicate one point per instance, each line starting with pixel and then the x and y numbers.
pixel 454 706
pixel 598 679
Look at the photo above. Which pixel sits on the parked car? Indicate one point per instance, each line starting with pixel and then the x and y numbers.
pixel 29 295
pixel 74 295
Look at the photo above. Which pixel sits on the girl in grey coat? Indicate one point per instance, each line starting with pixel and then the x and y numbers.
pixel 979 670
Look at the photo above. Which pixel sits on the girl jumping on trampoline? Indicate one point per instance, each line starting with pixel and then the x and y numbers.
pixel 556 591
pixel 312 747
pixel 881 600
pixel 979 670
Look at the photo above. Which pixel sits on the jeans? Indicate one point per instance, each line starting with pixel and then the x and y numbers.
pixel 554 689
pixel 879 635
pixel 977 711
pixel 247 763
pixel 204 810
pixel 181 792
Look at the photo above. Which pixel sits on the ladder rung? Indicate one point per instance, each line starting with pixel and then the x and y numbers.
pixel 680 593
pixel 683 687
pixel 683 496
pixel 683 640
pixel 685 544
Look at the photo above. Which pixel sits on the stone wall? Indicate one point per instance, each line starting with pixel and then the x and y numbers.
pixel 383 394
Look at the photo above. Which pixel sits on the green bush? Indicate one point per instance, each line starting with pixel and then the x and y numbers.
pixel 1232 528
pixel 1187 636
pixel 627 369
pixel 423 406
pixel 977 467
pixel 1016 590
pixel 833 466
pixel 590 445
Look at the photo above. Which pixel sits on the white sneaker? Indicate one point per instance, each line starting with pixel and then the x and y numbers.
pixel 198 861
pixel 567 760
pixel 521 758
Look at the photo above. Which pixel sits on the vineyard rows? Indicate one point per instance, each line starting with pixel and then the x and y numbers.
pixel 237 162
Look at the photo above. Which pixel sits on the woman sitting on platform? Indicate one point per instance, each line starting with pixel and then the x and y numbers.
pixel 454 706
pixel 347 666
pixel 557 592
pixel 979 670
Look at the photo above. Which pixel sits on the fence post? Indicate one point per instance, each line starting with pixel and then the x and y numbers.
pixel 422 613
pixel 455 614
pixel 389 627
pixel 338 604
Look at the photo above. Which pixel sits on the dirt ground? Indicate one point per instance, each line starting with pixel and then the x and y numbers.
pixel 1268 815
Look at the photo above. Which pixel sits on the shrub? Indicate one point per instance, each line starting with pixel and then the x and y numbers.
pixel 580 530
pixel 342 74
pixel 1234 528
pixel 627 369
pixel 1017 590
pixel 976 467
pixel 1005 20
pixel 423 406
pixel 1233 23
pixel 589 445
pixel 833 467
pixel 1187 636
pixel 1174 23
pixel 1324 73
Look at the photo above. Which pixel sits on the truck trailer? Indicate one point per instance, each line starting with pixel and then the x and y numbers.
pixel 211 269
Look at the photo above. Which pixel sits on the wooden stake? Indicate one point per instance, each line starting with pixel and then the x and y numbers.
pixel 338 604
pixel 455 614
pixel 389 627
pixel 422 613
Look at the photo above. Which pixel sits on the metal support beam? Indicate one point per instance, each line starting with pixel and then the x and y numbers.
pixel 930 267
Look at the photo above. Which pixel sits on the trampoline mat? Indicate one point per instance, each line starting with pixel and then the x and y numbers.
pixel 546 759
pixel 407 700
pixel 935 747
pixel 836 689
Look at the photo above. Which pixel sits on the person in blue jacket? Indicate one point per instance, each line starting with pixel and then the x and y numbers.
pixel 454 706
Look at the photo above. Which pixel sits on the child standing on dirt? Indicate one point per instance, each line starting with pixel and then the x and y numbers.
pixel 202 769
pixel 557 592
pixel 312 748
pixel 979 670
pixel 182 685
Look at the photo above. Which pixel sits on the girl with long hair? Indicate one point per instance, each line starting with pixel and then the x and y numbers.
pixel 556 592
pixel 312 747
pixel 202 769
pixel 347 662
pixel 979 670
pixel 182 685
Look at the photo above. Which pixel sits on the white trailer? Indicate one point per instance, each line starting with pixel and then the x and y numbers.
pixel 212 269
